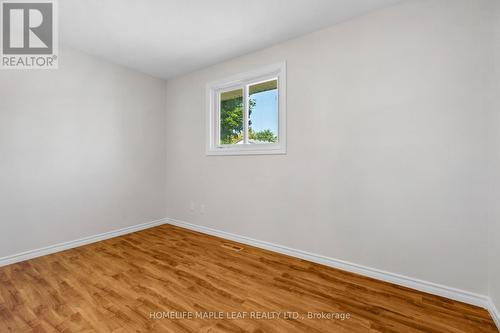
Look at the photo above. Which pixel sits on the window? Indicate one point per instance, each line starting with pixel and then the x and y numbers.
pixel 246 113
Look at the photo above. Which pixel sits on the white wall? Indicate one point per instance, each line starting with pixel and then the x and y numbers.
pixel 82 151
pixel 494 232
pixel 386 163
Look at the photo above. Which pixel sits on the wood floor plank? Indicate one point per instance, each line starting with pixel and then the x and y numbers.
pixel 118 285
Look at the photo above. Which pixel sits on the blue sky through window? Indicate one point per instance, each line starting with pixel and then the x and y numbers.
pixel 265 113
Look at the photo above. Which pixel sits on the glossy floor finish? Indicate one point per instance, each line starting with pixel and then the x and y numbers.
pixel 168 279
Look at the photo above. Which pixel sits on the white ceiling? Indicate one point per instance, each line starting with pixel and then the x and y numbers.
pixel 166 38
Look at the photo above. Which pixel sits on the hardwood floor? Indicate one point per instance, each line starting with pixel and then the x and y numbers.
pixel 148 281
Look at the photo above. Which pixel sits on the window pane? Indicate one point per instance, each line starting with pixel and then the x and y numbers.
pixel 231 117
pixel 263 112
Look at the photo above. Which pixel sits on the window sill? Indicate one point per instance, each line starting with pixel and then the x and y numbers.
pixel 273 150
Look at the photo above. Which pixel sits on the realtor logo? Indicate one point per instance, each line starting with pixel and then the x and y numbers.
pixel 29 38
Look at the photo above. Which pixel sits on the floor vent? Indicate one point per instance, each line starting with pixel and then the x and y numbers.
pixel 232 247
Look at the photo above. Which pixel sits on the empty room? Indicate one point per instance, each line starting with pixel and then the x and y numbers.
pixel 258 166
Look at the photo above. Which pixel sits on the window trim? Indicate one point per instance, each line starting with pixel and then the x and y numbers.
pixel 243 81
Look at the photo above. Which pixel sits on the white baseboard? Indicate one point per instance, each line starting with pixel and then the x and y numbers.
pixel 494 313
pixel 75 243
pixel 405 281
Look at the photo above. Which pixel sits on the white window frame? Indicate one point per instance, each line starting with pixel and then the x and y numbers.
pixel 243 81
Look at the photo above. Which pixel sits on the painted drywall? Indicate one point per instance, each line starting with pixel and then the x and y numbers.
pixel 386 163
pixel 494 153
pixel 82 152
